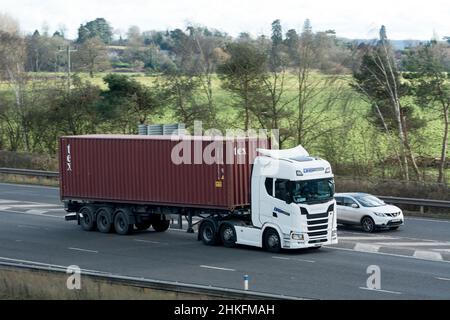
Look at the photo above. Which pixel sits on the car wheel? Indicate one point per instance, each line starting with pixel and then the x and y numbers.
pixel 368 224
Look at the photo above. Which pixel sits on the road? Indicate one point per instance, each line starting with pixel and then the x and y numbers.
pixel 414 261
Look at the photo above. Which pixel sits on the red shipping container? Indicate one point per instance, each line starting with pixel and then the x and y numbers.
pixel 140 169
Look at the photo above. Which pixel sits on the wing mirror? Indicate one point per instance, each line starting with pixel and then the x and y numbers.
pixel 355 206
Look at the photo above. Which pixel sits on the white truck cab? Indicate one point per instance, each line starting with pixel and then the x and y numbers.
pixel 292 202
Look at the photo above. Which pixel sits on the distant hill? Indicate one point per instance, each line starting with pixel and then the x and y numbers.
pixel 398 44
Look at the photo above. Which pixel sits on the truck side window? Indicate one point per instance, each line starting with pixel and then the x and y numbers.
pixel 269 186
pixel 281 189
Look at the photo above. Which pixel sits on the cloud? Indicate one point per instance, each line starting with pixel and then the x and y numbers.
pixel 350 18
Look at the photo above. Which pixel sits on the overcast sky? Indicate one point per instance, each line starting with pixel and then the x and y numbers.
pixel 350 18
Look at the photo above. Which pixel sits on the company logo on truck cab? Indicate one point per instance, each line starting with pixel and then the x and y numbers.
pixel 69 159
pixel 311 170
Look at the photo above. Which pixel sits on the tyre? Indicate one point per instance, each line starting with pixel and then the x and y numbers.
pixel 87 222
pixel 272 241
pixel 104 220
pixel 394 228
pixel 122 222
pixel 228 235
pixel 208 233
pixel 160 225
pixel 368 224
pixel 143 225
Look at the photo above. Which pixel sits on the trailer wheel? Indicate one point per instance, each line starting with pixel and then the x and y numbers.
pixel 143 226
pixel 87 222
pixel 208 233
pixel 228 235
pixel 271 241
pixel 122 222
pixel 104 223
pixel 160 223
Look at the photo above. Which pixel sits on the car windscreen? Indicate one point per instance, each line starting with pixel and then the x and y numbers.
pixel 369 201
pixel 312 191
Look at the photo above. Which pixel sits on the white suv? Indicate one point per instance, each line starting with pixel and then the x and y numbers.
pixel 367 211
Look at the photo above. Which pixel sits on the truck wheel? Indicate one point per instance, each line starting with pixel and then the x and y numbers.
pixel 272 241
pixel 368 224
pixel 208 233
pixel 122 222
pixel 87 222
pixel 161 225
pixel 228 235
pixel 104 223
pixel 143 226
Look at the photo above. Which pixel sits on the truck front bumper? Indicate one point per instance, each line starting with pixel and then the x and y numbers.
pixel 331 238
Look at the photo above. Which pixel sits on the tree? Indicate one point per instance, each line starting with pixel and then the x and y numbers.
pixel 242 74
pixel 92 56
pixel 277 42
pixel 130 102
pixel 379 80
pixel 97 28
pixel 181 93
pixel 429 65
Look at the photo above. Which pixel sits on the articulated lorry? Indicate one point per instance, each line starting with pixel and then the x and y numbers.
pixel 245 193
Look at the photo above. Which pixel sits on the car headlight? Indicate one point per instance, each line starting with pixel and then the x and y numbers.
pixel 297 236
pixel 379 214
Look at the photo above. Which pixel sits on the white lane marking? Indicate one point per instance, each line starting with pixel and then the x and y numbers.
pixel 379 290
pixel 147 241
pixel 28 186
pixel 366 247
pixel 428 255
pixel 386 254
pixel 36 211
pixel 46 264
pixel 37 205
pixel 367 238
pixel 442 250
pixel 3 201
pixel 3 208
pixel 216 268
pixel 293 259
pixel 418 244
pixel 27 227
pixel 83 250
pixel 32 214
pixel 443 279
pixel 429 220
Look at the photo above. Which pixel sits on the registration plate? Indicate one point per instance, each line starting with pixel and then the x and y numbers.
pixel 396 220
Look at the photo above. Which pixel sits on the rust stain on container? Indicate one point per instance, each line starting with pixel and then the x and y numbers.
pixel 139 169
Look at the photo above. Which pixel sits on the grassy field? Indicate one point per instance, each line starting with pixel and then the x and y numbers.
pixel 354 141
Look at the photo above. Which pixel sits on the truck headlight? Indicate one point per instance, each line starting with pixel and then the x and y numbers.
pixel 379 214
pixel 297 236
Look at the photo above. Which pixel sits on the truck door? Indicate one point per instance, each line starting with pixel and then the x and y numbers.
pixel 266 200
pixel 282 209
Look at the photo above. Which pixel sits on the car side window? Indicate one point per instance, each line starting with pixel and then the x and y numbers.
pixel 269 186
pixel 281 189
pixel 349 202
pixel 339 201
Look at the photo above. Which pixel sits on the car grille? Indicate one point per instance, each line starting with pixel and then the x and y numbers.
pixel 395 214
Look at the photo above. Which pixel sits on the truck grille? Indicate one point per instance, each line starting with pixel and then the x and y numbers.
pixel 318 224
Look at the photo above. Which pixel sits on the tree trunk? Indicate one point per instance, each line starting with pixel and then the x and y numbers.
pixel 442 165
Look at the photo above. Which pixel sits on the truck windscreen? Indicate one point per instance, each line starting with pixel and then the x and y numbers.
pixel 312 191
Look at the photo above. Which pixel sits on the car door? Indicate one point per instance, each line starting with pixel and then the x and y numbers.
pixel 341 210
pixel 353 215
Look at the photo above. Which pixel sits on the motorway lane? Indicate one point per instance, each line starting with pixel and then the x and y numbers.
pixel 330 273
